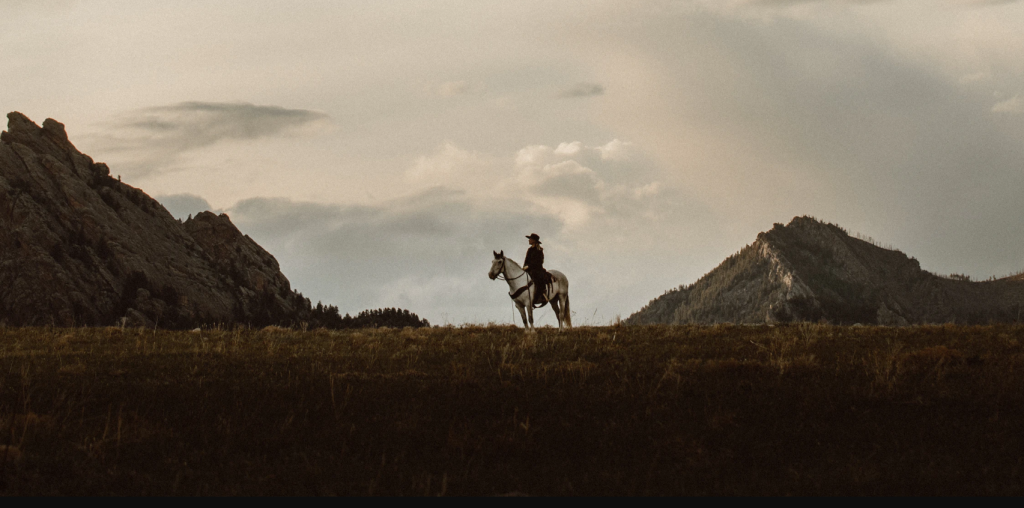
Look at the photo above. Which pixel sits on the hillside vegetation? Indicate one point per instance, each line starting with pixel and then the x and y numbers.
pixel 720 410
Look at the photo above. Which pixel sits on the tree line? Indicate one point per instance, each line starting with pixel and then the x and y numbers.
pixel 327 316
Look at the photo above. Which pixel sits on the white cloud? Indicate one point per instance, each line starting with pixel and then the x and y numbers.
pixel 569 149
pixel 568 180
pixel 454 167
pixel 616 150
pixel 1012 105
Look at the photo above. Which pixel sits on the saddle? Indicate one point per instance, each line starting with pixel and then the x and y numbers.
pixel 544 282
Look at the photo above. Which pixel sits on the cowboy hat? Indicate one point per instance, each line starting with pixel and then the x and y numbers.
pixel 534 237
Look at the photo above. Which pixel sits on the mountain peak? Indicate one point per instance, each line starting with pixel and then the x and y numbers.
pixel 810 270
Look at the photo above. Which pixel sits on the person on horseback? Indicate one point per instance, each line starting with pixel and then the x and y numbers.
pixel 534 265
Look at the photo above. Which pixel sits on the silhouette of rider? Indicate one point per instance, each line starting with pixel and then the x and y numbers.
pixel 534 265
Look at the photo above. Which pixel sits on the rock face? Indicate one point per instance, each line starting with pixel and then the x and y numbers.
pixel 811 271
pixel 78 247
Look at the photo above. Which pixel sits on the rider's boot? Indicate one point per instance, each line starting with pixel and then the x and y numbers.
pixel 539 296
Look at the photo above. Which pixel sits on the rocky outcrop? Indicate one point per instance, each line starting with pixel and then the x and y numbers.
pixel 812 271
pixel 79 247
pixel 263 293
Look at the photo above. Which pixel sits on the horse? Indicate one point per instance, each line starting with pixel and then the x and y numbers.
pixel 521 289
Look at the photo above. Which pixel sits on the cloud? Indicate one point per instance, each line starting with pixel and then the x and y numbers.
pixel 785 117
pixel 567 179
pixel 192 125
pixel 586 185
pixel 615 151
pixel 428 252
pixel 183 205
pixel 1012 105
pixel 573 181
pixel 153 139
pixel 454 167
pixel 583 90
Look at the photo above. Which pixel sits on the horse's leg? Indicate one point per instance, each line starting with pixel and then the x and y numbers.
pixel 552 296
pixel 529 312
pixel 522 312
pixel 566 313
pixel 558 312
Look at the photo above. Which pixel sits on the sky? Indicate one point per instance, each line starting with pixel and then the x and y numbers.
pixel 381 151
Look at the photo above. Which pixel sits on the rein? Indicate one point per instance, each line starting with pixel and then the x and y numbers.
pixel 525 288
pixel 504 276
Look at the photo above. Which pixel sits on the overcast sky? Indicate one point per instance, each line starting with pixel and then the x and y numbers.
pixel 381 150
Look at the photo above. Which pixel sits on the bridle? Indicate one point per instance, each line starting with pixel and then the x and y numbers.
pixel 503 275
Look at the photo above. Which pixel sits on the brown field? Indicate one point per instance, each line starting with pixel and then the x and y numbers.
pixel 721 410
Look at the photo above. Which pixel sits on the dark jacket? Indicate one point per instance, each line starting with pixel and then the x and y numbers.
pixel 535 265
pixel 534 260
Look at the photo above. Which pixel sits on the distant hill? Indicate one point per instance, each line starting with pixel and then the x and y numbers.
pixel 813 271
pixel 79 248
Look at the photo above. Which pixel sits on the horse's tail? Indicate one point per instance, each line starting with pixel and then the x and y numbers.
pixel 568 313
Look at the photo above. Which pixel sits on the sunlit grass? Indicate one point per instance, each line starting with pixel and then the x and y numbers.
pixel 801 409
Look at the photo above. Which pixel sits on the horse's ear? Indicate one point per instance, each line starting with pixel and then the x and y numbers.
pixel 502 253
pixel 496 256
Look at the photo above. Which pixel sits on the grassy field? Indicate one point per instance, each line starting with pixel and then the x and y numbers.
pixel 800 409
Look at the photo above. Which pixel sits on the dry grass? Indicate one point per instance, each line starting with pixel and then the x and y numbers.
pixel 802 409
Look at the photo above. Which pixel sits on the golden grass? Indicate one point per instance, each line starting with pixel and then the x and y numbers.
pixel 800 409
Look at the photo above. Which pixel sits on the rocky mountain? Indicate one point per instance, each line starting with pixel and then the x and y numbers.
pixel 79 247
pixel 812 271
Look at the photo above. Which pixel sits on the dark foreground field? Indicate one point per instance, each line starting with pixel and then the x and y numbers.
pixel 802 409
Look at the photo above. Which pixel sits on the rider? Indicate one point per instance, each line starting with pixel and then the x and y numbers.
pixel 534 265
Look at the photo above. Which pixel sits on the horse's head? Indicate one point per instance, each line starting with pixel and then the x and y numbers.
pixel 497 266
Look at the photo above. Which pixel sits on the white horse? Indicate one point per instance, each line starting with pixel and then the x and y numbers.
pixel 521 289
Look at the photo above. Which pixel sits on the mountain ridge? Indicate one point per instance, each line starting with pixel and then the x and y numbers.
pixel 79 247
pixel 808 270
